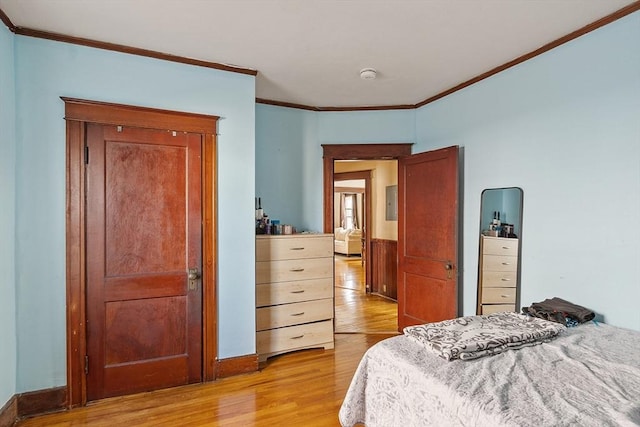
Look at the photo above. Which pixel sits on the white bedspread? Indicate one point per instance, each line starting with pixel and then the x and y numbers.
pixel 588 376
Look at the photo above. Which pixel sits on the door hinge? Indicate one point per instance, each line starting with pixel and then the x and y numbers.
pixel 86 155
pixel 86 365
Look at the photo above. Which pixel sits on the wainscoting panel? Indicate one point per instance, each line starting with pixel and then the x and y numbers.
pixel 384 265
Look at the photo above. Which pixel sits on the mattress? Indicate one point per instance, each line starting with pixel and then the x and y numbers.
pixel 588 376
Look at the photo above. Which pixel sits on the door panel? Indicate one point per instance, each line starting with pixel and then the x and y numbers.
pixel 417 306
pixel 144 323
pixel 150 323
pixel 427 237
pixel 145 185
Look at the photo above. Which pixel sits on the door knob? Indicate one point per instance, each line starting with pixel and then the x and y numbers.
pixel 448 266
pixel 193 276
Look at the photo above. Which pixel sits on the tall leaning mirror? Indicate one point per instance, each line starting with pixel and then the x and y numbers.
pixel 500 248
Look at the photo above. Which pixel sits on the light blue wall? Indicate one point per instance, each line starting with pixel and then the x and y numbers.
pixel 8 341
pixel 46 70
pixel 287 165
pixel 367 127
pixel 565 127
pixel 289 154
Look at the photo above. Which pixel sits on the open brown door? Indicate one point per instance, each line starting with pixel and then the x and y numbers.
pixel 427 237
pixel 144 314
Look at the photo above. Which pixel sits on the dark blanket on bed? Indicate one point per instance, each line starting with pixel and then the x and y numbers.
pixel 558 310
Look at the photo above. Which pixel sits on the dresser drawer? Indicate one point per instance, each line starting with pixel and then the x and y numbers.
pixel 499 263
pixel 295 337
pixel 290 270
pixel 297 291
pixel 498 295
pixel 497 308
pixel 499 246
pixel 297 313
pixel 285 247
pixel 499 279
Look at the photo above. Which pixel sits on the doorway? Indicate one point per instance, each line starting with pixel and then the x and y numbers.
pixel 365 303
pixel 361 311
pixel 81 117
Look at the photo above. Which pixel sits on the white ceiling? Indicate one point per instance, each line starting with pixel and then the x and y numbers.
pixel 310 52
pixel 350 183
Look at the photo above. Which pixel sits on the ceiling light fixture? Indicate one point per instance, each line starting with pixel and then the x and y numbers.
pixel 368 74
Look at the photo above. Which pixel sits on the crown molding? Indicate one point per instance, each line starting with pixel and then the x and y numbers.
pixel 28 32
pixel 286 104
pixel 370 108
pixel 312 108
pixel 6 21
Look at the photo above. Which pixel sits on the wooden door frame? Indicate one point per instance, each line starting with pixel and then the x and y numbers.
pixel 366 176
pixel 333 152
pixel 78 113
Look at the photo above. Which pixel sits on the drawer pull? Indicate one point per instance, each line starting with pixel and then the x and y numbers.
pixel 506 263
pixel 504 279
pixel 506 247
pixel 298 292
pixel 297 314
pixel 296 249
pixel 297 270
pixel 297 337
pixel 504 296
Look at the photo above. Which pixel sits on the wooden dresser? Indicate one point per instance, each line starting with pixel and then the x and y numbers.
pixel 294 293
pixel 497 289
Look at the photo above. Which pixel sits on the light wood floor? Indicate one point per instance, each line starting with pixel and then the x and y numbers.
pixel 304 388
pixel 356 311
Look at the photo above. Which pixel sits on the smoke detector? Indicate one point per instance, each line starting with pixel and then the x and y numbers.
pixel 368 74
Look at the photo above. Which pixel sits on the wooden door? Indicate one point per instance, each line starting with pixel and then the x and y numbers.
pixel 144 317
pixel 427 237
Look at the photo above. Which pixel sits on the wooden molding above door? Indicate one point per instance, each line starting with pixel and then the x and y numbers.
pixel 333 152
pixel 77 114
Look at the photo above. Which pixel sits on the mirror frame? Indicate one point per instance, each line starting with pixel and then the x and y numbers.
pixel 517 231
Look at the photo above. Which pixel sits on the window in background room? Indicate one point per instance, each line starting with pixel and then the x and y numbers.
pixel 349 211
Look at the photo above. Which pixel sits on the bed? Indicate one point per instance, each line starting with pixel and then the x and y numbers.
pixel 588 375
